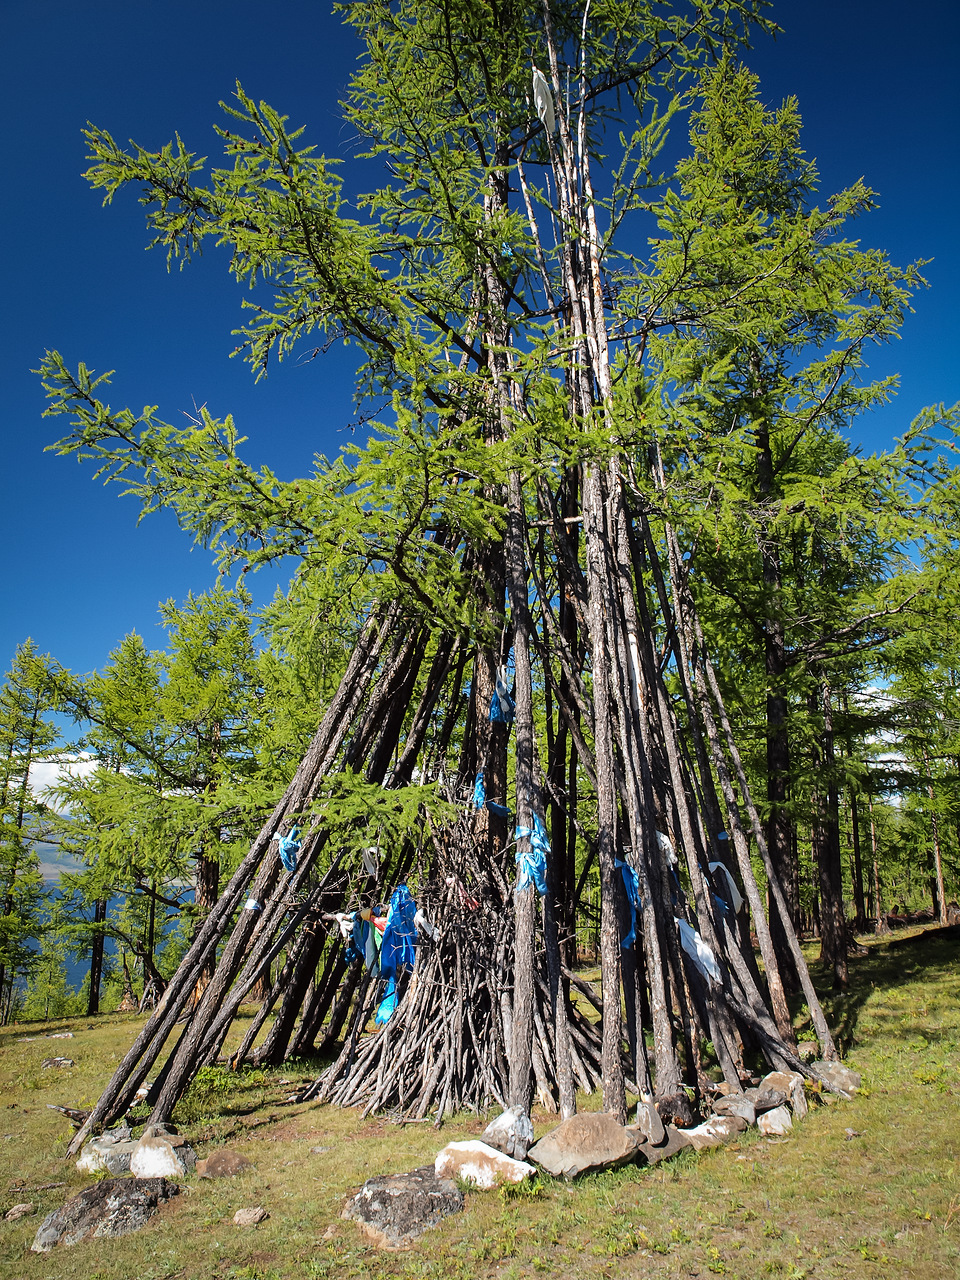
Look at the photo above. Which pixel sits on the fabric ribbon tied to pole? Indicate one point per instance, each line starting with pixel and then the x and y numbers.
pixel 532 863
pixel 543 100
pixel 736 897
pixel 698 951
pixel 398 948
pixel 502 707
pixel 631 882
pixel 289 847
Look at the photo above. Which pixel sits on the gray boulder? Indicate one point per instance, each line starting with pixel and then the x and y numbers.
pixel 648 1123
pixel 766 1099
pixel 736 1104
pixel 113 1207
pixel 790 1083
pixel 394 1210
pixel 838 1078
pixel 674 1141
pixel 585 1143
pixel 107 1154
pixel 714 1132
pixel 511 1133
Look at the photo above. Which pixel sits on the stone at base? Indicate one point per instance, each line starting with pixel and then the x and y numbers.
pixel 736 1104
pixel 776 1123
pixel 482 1166
pixel 648 1123
pixel 789 1083
pixel 110 1153
pixel 511 1133
pixel 113 1207
pixel 766 1099
pixel 674 1141
pixel 162 1156
pixel 587 1142
pixel 394 1210
pixel 840 1079
pixel 714 1132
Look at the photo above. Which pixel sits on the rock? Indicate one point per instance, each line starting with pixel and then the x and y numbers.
pixel 675 1109
pixel 162 1155
pixel 674 1141
pixel 161 1131
pixel 648 1124
pixel 736 1104
pixel 60 1035
pixel 766 1099
pixel 222 1164
pixel 19 1211
pixel 113 1207
pixel 511 1133
pixel 838 1078
pixel 789 1083
pixel 592 1140
pixel 250 1217
pixel 776 1123
pixel 395 1209
pixel 107 1154
pixel 57 1062
pixel 807 1050
pixel 483 1166
pixel 714 1132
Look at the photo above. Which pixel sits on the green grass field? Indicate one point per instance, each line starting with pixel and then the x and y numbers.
pixel 868 1188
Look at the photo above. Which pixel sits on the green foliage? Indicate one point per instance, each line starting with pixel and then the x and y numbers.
pixel 27 737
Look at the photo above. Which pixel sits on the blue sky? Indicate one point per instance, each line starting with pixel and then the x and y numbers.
pixel 877 85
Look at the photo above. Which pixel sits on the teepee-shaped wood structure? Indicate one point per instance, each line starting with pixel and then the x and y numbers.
pixel 629 766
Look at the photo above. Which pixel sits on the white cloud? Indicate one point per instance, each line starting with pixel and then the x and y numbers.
pixel 45 774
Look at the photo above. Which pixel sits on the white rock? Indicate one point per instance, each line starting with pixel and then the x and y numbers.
pixel 776 1123
pixel 19 1211
pixel 157 1157
pixel 482 1166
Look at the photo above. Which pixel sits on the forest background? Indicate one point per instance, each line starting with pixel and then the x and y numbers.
pixel 239 677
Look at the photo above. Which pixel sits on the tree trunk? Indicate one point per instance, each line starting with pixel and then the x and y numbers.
pixel 826 846
pixel 880 924
pixel 858 896
pixel 938 892
pixel 96 958
pixel 525 895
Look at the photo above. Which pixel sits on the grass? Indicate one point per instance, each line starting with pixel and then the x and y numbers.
pixel 823 1203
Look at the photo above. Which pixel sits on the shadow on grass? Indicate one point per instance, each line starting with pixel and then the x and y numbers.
pixel 889 963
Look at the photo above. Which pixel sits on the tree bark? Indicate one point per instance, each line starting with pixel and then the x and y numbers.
pixel 96 958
